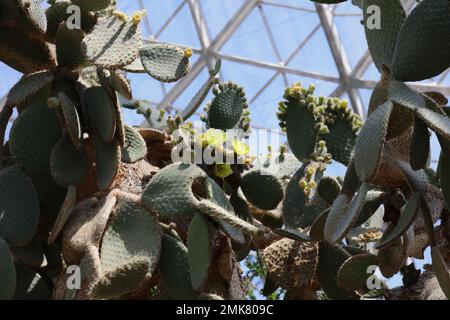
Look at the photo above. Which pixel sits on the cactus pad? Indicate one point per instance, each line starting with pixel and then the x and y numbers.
pixel 382 41
pixel 121 280
pixel 328 189
pixel 164 62
pixel 420 145
pixel 132 232
pixel 92 5
pixel 226 107
pixel 441 271
pixel 353 273
pixel 437 122
pixel 120 83
pixel 423 48
pixel 7 272
pixel 68 47
pixel 32 138
pixel 262 189
pixel 340 141
pixel 135 148
pixel 199 250
pixel 174 267
pixel 112 43
pixel 101 112
pixel 391 256
pixel 407 216
pixel 35 13
pixel 107 162
pixel 171 191
pixel 68 166
pixel 29 85
pixel 72 120
pixel 19 205
pixel 370 142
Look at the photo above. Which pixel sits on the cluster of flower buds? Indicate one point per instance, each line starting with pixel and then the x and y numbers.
pixel 307 183
pixel 136 18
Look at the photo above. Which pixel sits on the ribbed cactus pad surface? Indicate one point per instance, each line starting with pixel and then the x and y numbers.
pixel 174 266
pixel 27 86
pixel 101 111
pixel 132 232
pixel 300 128
pixel 33 136
pixel 7 272
pixel 420 145
pixel 92 5
pixel 35 13
pixel 391 257
pixel 340 141
pixel 226 107
pixel 119 82
pixel 423 46
pixel 328 189
pixel 262 189
pixel 68 165
pixel 71 119
pixel 199 250
pixel 170 191
pixel 19 205
pixel 331 258
pixel 112 43
pixel 437 122
pixel 68 46
pixel 382 40
pixel 121 280
pixel 164 62
pixel 370 142
pixel 135 148
pixel 353 273
pixel 107 162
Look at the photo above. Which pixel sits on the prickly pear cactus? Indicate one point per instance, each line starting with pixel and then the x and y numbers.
pixel 171 210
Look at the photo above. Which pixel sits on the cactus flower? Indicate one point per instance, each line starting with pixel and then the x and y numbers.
pixel 223 170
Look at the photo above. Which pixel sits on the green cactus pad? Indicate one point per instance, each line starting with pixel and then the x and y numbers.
pixel 19 205
pixel 403 95
pixel 340 221
pixel 30 285
pixel 353 273
pixel 423 49
pixel 226 107
pixel 370 142
pixel 331 258
pixel 107 162
pixel 281 166
pixel 300 129
pixel 174 265
pixel 170 191
pixel 135 67
pixel 101 112
pixel 121 280
pixel 28 86
pixel 328 189
pixel 351 181
pixel 164 62
pixel 391 256
pixel 316 232
pixel 132 232
pixel 215 195
pixel 112 43
pixel 340 140
pixel 7 272
pixel 120 83
pixel 72 120
pixel 407 216
pixel 33 136
pixel 135 148
pixel 440 270
pixel 199 250
pixel 92 5
pixel 382 41
pixel 35 13
pixel 374 199
pixel 68 166
pixel 68 47
pixel 437 122
pixel 262 189
pixel 31 254
pixel 298 211
pixel 420 145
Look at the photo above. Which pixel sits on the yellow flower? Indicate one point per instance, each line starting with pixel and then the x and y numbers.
pixel 240 148
pixel 223 170
pixel 213 137
pixel 188 52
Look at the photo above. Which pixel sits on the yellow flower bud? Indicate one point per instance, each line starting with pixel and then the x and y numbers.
pixel 222 170
pixel 188 52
